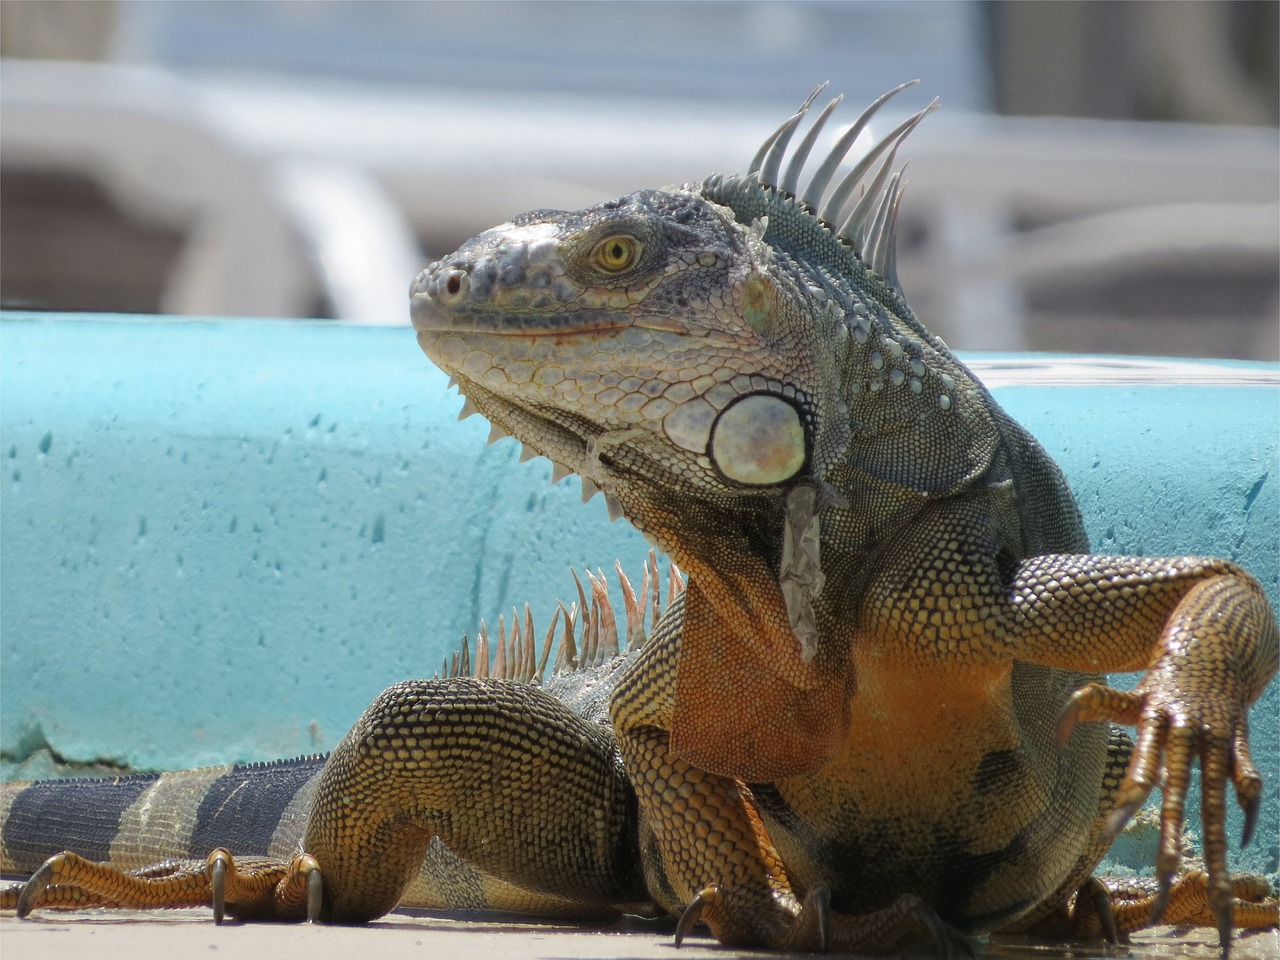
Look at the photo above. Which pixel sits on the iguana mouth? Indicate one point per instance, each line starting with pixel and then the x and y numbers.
pixel 431 314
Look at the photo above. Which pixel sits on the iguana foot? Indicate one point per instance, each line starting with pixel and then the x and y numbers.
pixel 1111 908
pixel 1173 732
pixel 257 888
pixel 909 921
pixel 1134 902
pixel 1216 653
pixel 713 907
pixel 283 892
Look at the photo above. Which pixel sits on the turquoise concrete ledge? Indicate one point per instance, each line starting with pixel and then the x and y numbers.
pixel 221 539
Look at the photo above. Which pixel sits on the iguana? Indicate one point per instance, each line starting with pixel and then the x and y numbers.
pixel 876 714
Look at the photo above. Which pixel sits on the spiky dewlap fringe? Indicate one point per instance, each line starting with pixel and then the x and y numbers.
pixel 588 630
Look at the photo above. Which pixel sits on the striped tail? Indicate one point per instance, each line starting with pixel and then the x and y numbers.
pixel 134 821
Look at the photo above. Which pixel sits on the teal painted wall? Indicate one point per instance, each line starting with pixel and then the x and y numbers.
pixel 219 540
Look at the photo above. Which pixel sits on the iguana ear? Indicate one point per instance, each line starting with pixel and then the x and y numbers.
pixel 748 705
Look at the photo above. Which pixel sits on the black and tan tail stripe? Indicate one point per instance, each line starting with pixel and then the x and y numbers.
pixel 252 809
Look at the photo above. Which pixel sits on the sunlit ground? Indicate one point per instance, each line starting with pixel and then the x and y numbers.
pixel 191 933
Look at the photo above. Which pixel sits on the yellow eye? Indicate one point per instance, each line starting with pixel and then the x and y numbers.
pixel 617 253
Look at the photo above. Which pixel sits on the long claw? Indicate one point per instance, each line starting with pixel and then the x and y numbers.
pixel 1120 816
pixel 824 918
pixel 1222 913
pixel 34 887
pixel 1248 781
pixel 1251 808
pixel 218 883
pixel 1162 898
pixel 1097 893
pixel 819 901
pixel 693 913
pixel 315 895
pixel 941 935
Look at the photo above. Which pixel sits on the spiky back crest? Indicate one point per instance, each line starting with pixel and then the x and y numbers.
pixel 814 227
pixel 584 634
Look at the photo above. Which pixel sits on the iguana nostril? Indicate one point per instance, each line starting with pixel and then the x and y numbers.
pixel 456 284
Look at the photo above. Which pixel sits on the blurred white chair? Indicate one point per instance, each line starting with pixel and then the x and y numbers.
pixel 263 236
pixel 1017 204
pixel 286 176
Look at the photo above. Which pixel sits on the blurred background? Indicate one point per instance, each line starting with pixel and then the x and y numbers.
pixel 1102 177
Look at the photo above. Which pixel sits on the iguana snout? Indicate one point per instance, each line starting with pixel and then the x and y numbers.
pixel 509 267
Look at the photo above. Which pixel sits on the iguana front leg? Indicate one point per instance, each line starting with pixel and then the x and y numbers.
pixel 1200 628
pixel 715 855
pixel 1216 650
pixel 692 816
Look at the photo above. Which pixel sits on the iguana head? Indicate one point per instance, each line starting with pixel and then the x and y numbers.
pixel 732 363
pixel 623 334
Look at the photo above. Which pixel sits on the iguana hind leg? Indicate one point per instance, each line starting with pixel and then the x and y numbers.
pixel 1133 901
pixel 504 774
pixel 1110 908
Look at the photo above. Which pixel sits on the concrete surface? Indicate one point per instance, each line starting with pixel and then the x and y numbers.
pixel 191 933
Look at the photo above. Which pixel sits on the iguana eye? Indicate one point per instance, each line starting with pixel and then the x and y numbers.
pixel 615 254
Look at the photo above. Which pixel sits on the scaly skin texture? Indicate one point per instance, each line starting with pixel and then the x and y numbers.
pixel 877 715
